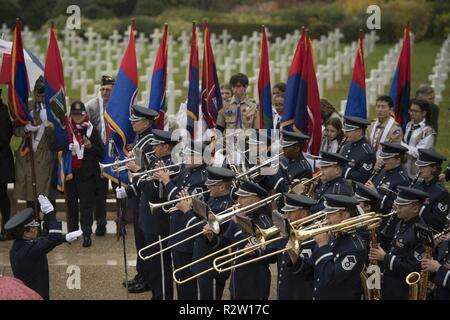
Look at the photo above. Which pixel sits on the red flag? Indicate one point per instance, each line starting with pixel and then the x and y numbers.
pixel 308 118
pixel 264 88
pixel 401 84
pixel 211 98
pixel 157 99
pixel 18 83
pixel 356 101
pixel 293 84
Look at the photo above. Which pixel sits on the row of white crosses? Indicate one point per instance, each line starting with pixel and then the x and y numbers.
pixel 440 70
pixel 103 56
pixel 279 68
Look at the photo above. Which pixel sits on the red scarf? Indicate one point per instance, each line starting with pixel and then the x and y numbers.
pixel 79 131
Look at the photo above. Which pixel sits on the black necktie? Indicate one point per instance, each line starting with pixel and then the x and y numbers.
pixel 413 127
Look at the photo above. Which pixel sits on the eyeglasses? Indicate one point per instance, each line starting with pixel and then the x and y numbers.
pixel 414 111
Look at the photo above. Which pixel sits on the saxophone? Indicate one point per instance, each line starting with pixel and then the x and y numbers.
pixel 418 282
pixel 371 293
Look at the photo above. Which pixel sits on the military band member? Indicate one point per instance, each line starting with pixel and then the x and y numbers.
pixel 28 254
pixel 155 225
pixel 95 108
pixel 392 175
pixel 418 133
pixel 190 181
pixel 251 281
pixel 440 267
pixel 336 261
pixel 211 284
pixel 357 150
pixel 293 164
pixel 331 182
pixel 405 251
pixel 291 285
pixel 384 129
pixel 436 208
pixel 141 120
pixel 269 177
pixel 368 201
pixel 240 112
pixel 87 152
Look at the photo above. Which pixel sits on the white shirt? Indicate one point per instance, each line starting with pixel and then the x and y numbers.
pixel 421 138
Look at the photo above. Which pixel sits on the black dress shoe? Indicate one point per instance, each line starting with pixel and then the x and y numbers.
pixel 131 283
pixel 138 288
pixel 87 242
pixel 100 231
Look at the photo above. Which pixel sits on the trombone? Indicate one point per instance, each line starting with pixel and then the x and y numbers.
pixel 297 236
pixel 215 225
pixel 149 172
pixel 219 217
pixel 154 206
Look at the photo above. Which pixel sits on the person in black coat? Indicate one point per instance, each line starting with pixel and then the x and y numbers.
pixel 6 164
pixel 440 268
pixel 406 251
pixel 436 208
pixel 292 285
pixel 337 260
pixel 331 167
pixel 357 150
pixel 251 281
pixel 87 151
pixel 293 164
pixel 28 254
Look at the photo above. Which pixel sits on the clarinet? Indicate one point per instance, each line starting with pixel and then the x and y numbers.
pixel 341 145
pixel 413 182
pixel 376 172
pixel 388 224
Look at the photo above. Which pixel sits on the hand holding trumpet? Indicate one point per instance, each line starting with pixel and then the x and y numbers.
pixel 186 204
pixel 162 175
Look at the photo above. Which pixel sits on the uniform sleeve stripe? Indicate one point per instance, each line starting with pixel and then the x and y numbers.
pixel 171 191
pixel 134 190
pixel 54 231
pixel 237 233
pixel 391 264
pixel 189 222
pixel 323 256
pixel 382 201
pixel 444 283
pixel 347 172
pixel 278 182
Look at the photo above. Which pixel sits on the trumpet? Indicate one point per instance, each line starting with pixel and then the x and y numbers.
pixel 253 171
pixel 154 206
pixel 116 165
pixel 214 221
pixel 297 237
pixel 149 172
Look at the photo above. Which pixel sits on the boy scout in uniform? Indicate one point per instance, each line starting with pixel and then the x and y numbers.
pixel 239 112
